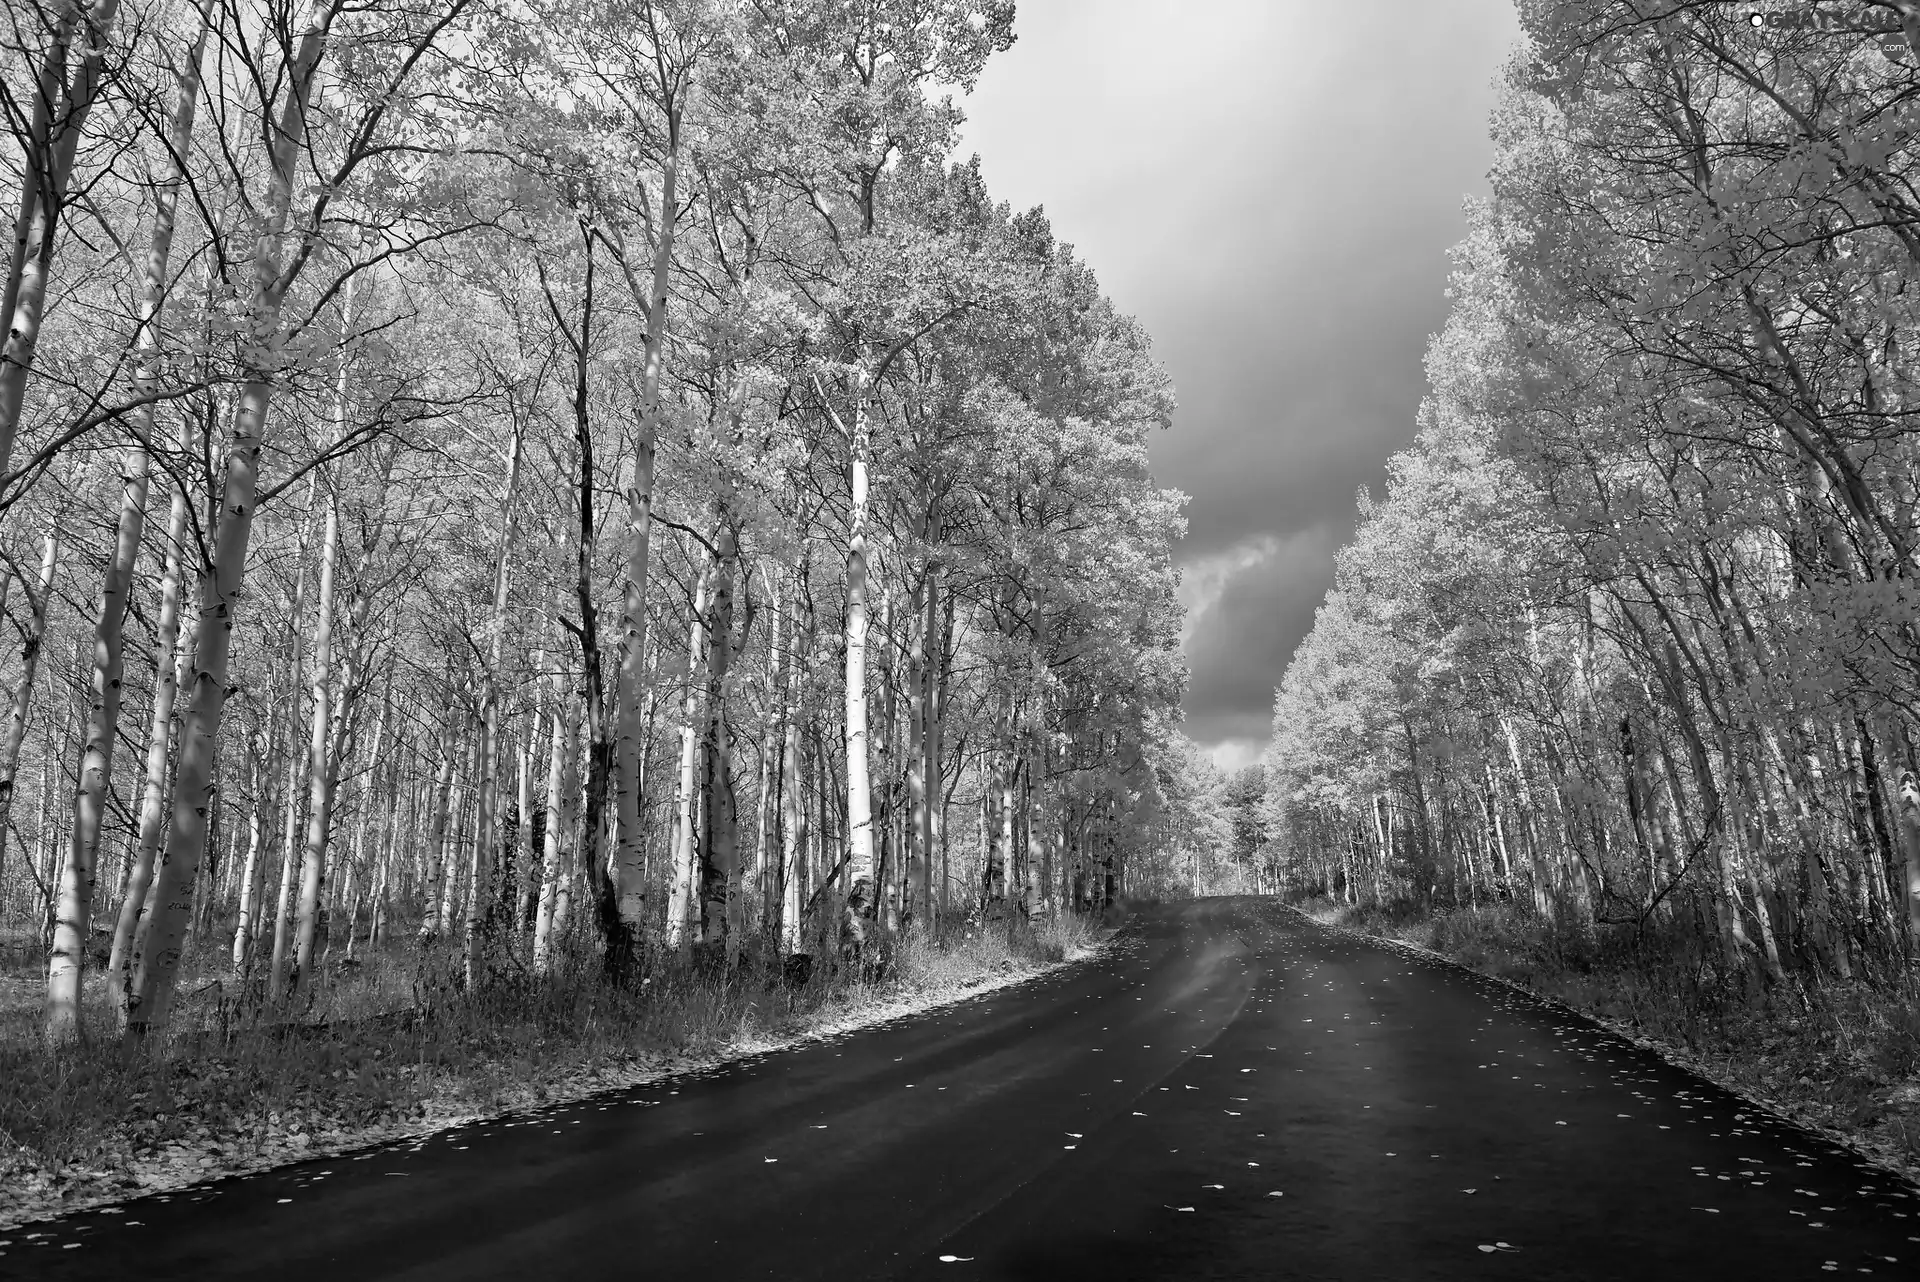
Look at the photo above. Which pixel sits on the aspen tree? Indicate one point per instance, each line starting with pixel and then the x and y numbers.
pixel 446 894
pixel 681 900
pixel 63 101
pixel 323 769
pixel 39 599
pixel 670 86
pixel 156 967
pixel 486 779
pixel 562 787
pixel 272 274
pixel 719 865
pixel 253 875
pixel 103 724
pixel 436 844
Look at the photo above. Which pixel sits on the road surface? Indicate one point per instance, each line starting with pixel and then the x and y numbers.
pixel 1230 1092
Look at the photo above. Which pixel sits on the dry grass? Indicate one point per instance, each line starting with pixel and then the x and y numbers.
pixel 393 1047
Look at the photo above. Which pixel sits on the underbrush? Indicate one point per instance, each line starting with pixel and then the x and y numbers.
pixel 394 1044
pixel 1844 1056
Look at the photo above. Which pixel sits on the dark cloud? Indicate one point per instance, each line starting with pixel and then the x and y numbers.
pixel 1248 609
pixel 1272 189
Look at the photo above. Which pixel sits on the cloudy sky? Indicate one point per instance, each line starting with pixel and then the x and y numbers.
pixel 1271 186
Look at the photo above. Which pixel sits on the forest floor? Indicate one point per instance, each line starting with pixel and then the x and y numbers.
pixel 385 1056
pixel 1843 1061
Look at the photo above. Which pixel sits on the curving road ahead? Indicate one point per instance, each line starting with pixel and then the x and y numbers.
pixel 1231 1092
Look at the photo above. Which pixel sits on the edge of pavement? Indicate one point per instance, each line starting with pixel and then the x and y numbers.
pixel 1878 1156
pixel 23 1209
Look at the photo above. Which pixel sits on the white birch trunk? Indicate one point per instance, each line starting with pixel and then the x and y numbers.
pixel 450 860
pixel 42 198
pixel 526 870
pixel 49 88
pixel 436 847
pixel 791 850
pixel 627 867
pixel 767 866
pixel 917 682
pixel 20 714
pixel 251 879
pixel 486 778
pixel 21 710
pixel 859 785
pixel 720 866
pixel 158 964
pixel 561 794
pixel 680 901
pixel 321 769
pixel 75 914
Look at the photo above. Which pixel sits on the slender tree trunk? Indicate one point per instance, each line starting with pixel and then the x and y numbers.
pixel 42 197
pixel 386 855
pixel 103 722
pixel 333 715
pixel 622 945
pixel 359 872
pixel 290 845
pixel 457 822
pixel 939 655
pixel 575 785
pixel 297 762
pixel 474 905
pixel 720 841
pixel 917 829
pixel 481 891
pixel 770 871
pixel 686 796
pixel 792 851
pixel 859 873
pixel 21 712
pixel 527 867
pixel 253 876
pixel 436 847
pixel 322 770
pixel 486 782
pixel 36 173
pixel 629 855
pixel 158 964
pixel 562 789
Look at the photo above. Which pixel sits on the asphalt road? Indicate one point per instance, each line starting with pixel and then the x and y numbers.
pixel 1231 1092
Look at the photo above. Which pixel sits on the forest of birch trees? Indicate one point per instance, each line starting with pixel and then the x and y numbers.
pixel 1632 638
pixel 505 478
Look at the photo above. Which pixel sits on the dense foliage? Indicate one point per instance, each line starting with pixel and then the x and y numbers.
pixel 1633 635
pixel 628 486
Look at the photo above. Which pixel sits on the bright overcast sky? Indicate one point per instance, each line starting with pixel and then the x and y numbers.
pixel 1271 186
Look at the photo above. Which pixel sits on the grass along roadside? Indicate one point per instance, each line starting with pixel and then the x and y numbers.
pixel 1842 1061
pixel 94 1125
